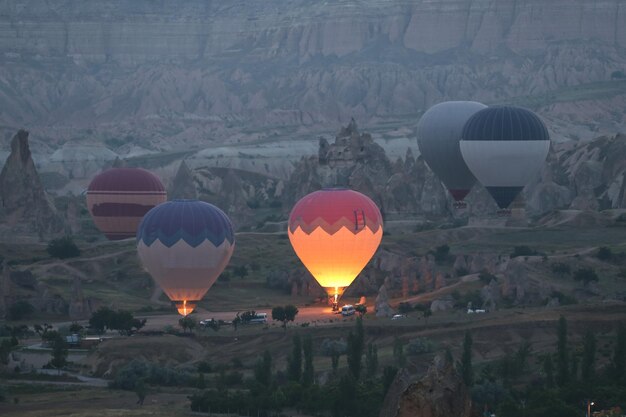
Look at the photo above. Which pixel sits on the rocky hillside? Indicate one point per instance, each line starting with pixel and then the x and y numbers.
pixel 140 76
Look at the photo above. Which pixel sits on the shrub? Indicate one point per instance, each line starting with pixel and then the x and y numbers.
pixel 563 298
pixel 330 347
pixel 604 254
pixel 204 367
pixel 136 370
pixel 404 308
pixel 618 75
pixel 523 251
pixel 420 345
pixel 461 272
pixel 63 248
pixel 20 310
pixel 561 269
pixel 486 277
pixel 441 253
pixel 586 275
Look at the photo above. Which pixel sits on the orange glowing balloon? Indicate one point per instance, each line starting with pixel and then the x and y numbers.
pixel 335 232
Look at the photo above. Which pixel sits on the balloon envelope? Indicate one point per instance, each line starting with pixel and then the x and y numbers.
pixel 335 232
pixel 118 198
pixel 438 134
pixel 505 147
pixel 185 245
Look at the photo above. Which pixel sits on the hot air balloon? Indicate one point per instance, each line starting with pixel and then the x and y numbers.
pixel 335 232
pixel 504 147
pixel 438 134
pixel 185 245
pixel 118 198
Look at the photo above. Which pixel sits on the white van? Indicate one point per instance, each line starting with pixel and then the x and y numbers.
pixel 259 318
pixel 348 310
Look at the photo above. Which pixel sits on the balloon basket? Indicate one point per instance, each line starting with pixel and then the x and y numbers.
pixel 185 307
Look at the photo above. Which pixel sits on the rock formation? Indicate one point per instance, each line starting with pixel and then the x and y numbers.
pixel 354 160
pixel 382 307
pixel 439 393
pixel 442 304
pixel 183 186
pixel 24 203
pixel 79 305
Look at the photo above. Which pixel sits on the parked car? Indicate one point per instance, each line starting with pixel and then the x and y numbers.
pixel 347 310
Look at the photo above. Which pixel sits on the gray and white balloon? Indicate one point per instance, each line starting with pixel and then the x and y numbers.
pixel 439 132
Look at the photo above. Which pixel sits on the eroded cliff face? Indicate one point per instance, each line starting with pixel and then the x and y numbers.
pixel 170 76
pixel 440 392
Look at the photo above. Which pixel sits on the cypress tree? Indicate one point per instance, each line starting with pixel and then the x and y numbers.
pixel 618 365
pixel 294 361
pixel 562 366
pixel 371 360
pixel 589 357
pixel 356 343
pixel 548 369
pixel 398 352
pixel 263 369
pixel 466 361
pixel 308 375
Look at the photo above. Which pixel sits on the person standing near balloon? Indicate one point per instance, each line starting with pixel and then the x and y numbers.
pixel 335 232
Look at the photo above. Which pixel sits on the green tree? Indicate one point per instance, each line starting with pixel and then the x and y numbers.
pixel 240 271
pixel 308 376
pixel 548 370
pixel 562 364
pixel 427 313
pixel 361 309
pixel 63 248
pixel 334 360
pixel 263 369
pixel 356 345
pixel 294 360
pixel 604 253
pixel 20 310
pixel 124 322
pixel 618 362
pixel 100 320
pixel 5 350
pixel 187 323
pixel 371 360
pixel 521 357
pixel 141 391
pixel 285 314
pixel 389 374
pixel 589 357
pixel 466 360
pixel 398 352
pixel 291 312
pixel 441 253
pixel 200 382
pixel 59 353
pixel 75 328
